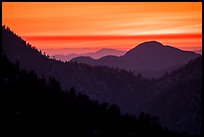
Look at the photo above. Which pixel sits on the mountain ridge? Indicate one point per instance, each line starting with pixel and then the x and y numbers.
pixel 116 86
pixel 95 55
pixel 146 56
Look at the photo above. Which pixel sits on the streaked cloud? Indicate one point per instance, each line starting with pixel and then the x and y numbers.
pixel 30 19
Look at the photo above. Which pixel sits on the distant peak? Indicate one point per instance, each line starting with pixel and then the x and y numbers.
pixel 82 59
pixel 151 43
pixel 146 46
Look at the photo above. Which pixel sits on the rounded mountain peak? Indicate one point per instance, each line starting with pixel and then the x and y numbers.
pixel 146 47
pixel 151 43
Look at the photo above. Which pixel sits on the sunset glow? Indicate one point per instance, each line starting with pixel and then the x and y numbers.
pixel 117 25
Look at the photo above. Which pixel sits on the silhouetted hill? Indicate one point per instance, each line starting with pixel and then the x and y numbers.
pixel 154 55
pixel 95 55
pixel 180 92
pixel 102 83
pixel 42 107
pixel 131 93
pixel 150 57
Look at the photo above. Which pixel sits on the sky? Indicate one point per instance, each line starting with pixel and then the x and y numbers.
pixel 88 26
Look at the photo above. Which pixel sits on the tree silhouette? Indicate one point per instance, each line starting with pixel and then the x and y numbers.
pixel 43 107
pixel 40 101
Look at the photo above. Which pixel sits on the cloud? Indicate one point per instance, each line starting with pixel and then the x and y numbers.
pixel 103 18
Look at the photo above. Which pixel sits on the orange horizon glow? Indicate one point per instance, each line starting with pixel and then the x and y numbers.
pixel 117 25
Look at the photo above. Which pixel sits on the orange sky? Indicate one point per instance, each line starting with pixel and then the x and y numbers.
pixel 119 25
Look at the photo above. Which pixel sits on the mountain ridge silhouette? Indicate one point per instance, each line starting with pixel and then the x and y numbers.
pixel 132 93
pixel 151 55
pixel 95 55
